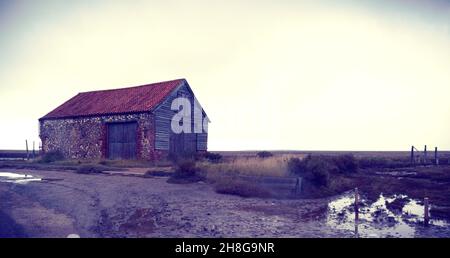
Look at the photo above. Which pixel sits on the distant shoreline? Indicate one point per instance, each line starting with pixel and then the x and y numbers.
pixel 441 153
pixel 21 154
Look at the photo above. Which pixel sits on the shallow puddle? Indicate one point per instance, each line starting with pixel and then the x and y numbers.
pixel 397 173
pixel 388 216
pixel 17 178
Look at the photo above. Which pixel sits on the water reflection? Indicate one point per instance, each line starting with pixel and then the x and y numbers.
pixel 388 216
pixel 17 178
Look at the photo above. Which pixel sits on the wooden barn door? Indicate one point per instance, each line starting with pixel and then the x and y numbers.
pixel 176 143
pixel 122 140
pixel 183 143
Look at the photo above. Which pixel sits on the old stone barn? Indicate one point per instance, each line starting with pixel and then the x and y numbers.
pixel 127 123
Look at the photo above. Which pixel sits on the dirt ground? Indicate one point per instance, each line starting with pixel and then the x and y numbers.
pixel 129 206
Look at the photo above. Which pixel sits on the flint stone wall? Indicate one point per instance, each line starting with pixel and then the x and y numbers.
pixel 85 137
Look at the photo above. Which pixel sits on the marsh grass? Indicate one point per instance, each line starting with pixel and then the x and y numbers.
pixel 186 171
pixel 91 169
pixel 276 166
pixel 224 176
pixel 51 156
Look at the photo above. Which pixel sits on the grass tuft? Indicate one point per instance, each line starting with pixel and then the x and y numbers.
pixel 186 172
pixel 90 169
pixel 51 156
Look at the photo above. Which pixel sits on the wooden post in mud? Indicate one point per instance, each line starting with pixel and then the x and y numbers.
pixel 356 212
pixel 426 211
pixel 34 153
pixel 356 229
pixel 356 205
pixel 26 146
pixel 425 158
pixel 298 185
pixel 412 155
pixel 436 160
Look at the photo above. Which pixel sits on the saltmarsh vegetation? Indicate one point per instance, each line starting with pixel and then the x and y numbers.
pixel 213 157
pixel 264 154
pixel 251 166
pixel 90 169
pixel 225 175
pixel 186 171
pixel 51 156
pixel 323 175
pixel 319 169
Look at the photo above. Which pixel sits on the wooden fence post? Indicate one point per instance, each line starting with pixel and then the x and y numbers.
pixel 436 160
pixel 26 145
pixel 412 155
pixel 425 158
pixel 34 153
pixel 356 204
pixel 426 211
pixel 298 185
pixel 356 212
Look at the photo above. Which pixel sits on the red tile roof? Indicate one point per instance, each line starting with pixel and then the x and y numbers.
pixel 116 101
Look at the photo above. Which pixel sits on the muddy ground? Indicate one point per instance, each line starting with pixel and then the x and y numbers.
pixel 103 205
pixel 127 206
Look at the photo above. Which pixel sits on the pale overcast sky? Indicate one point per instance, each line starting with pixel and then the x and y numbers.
pixel 300 75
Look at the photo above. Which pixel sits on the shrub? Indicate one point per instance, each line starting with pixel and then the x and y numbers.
pixel 105 162
pixel 185 172
pixel 182 156
pixel 318 171
pixel 313 168
pixel 296 166
pixel 52 156
pixel 264 154
pixel 380 162
pixel 89 169
pixel 186 168
pixel 152 173
pixel 345 163
pixel 213 157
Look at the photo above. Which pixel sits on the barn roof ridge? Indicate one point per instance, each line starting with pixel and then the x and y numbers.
pixel 136 86
pixel 134 99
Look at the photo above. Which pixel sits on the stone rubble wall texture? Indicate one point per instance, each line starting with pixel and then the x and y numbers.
pixel 86 137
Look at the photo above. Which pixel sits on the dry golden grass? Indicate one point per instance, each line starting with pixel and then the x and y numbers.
pixel 253 166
